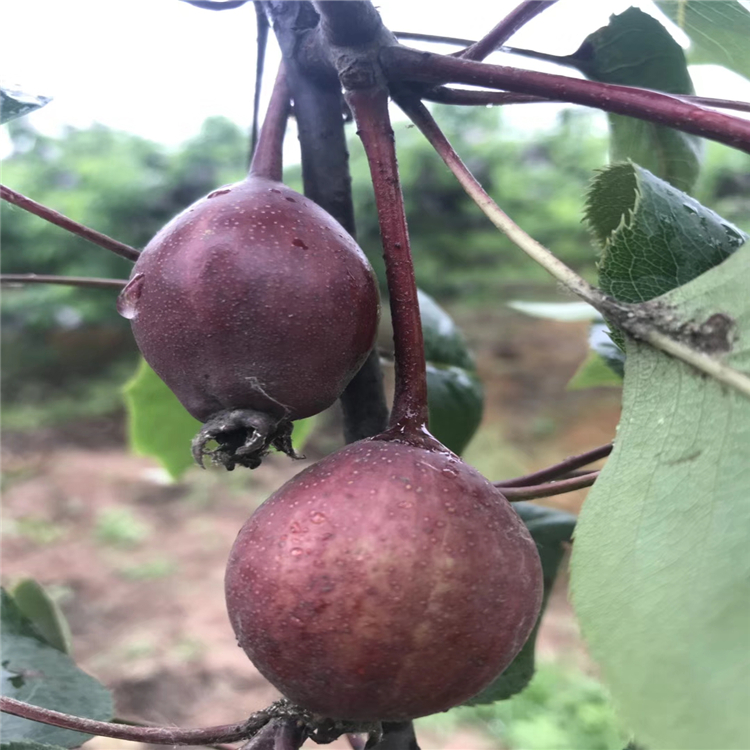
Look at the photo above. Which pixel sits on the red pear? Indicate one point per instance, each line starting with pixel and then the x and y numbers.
pixel 386 582
pixel 256 308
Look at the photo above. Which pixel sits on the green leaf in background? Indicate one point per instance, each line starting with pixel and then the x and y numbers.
pixel 549 528
pixel 661 561
pixel 562 311
pixel 444 343
pixel 37 605
pixel 653 237
pixel 16 103
pixel 25 745
pixel 605 362
pixel 35 672
pixel 455 398
pixel 634 49
pixel 454 392
pixel 594 372
pixel 719 31
pixel 302 430
pixel 159 426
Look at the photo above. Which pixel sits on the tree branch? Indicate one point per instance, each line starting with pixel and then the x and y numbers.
pixel 517 18
pixel 480 97
pixel 560 487
pixel 433 38
pixel 56 218
pixel 84 281
pixel 632 318
pixel 404 64
pixel 349 24
pixel 559 469
pixel 153 735
pixel 397 735
pixel 473 97
pixel 318 105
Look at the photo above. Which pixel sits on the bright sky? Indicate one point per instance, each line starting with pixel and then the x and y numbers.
pixel 158 68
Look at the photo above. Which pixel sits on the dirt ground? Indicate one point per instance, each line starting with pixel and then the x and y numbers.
pixel 138 564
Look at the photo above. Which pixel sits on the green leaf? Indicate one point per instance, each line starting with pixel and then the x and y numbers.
pixel 302 430
pixel 563 311
pixel 35 672
pixel 456 399
pixel 605 362
pixel 454 392
pixel 602 344
pixel 594 372
pixel 661 561
pixel 25 745
pixel 719 31
pixel 159 426
pixel 444 343
pixel 16 103
pixel 549 528
pixel 653 237
pixel 37 605
pixel 634 49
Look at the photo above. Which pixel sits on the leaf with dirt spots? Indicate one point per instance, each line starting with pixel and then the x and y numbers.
pixel 661 563
pixel 653 237
pixel 35 672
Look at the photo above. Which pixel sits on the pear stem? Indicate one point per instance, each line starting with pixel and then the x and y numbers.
pixel 370 108
pixel 268 157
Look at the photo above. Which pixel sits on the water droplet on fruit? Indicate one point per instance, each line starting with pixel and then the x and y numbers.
pixel 296 551
pixel 317 517
pixel 129 296
pixel 220 191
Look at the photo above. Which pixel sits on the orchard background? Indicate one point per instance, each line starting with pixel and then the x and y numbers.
pixel 134 558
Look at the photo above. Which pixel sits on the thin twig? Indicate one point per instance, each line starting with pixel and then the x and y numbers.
pixel 718 103
pixel 477 98
pixel 85 281
pixel 141 723
pixel 413 36
pixel 260 60
pixel 422 118
pixel 481 97
pixel 548 489
pixel 626 316
pixel 517 18
pixel 154 735
pixel 400 63
pixel 54 217
pixel 559 469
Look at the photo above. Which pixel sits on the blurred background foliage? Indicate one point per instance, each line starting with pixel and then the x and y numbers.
pixel 129 187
